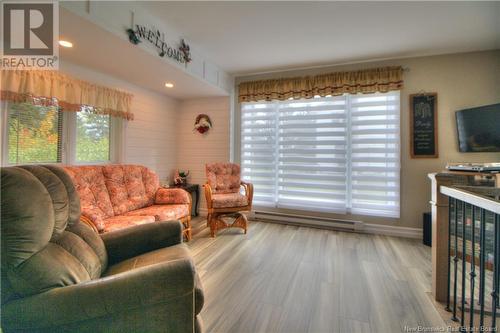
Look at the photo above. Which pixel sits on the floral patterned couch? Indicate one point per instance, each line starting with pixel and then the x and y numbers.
pixel 118 196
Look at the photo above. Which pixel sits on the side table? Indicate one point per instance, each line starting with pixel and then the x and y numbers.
pixel 194 190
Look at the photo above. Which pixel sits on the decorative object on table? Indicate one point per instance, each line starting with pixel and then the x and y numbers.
pixel 224 199
pixel 192 189
pixel 202 123
pixel 423 125
pixel 181 177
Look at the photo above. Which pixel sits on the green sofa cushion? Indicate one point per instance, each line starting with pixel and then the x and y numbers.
pixel 38 252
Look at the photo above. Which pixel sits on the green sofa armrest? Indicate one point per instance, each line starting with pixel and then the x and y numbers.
pixel 164 284
pixel 130 242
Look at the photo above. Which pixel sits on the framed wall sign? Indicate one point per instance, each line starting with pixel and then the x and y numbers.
pixel 423 125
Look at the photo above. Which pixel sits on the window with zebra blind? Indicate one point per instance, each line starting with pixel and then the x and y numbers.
pixel 332 154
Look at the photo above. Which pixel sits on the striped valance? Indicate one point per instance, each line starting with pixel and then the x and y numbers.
pixel 363 81
pixel 54 88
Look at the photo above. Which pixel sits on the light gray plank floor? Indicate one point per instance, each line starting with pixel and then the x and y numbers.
pixel 281 278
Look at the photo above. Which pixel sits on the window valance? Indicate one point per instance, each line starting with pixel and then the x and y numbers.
pixel 363 81
pixel 54 88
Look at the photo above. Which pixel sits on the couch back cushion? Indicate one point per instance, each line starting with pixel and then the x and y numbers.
pixel 43 244
pixel 94 198
pixel 223 177
pixel 130 187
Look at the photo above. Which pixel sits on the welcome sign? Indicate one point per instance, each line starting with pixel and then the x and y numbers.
pixel 180 54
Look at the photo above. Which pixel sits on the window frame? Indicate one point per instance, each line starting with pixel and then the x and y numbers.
pixel 70 144
pixel 68 140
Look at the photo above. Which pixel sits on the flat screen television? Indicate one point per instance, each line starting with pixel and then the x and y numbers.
pixel 479 129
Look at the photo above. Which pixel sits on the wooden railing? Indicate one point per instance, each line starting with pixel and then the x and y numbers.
pixel 466 252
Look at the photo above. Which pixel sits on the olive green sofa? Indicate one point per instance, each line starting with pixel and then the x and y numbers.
pixel 57 275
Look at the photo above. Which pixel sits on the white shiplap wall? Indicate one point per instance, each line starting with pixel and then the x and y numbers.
pixel 151 136
pixel 195 150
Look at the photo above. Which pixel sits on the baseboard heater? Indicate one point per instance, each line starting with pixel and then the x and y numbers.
pixel 306 220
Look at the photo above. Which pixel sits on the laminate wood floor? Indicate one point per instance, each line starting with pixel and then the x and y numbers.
pixel 281 278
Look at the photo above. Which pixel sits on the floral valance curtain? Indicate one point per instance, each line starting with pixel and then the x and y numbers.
pixel 54 88
pixel 363 81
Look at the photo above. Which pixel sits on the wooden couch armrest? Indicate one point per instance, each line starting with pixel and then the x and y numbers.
pixel 87 221
pixel 208 195
pixel 248 191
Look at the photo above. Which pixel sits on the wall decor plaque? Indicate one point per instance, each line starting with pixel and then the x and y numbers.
pixel 423 125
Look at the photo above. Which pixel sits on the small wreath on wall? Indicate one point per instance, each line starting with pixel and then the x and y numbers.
pixel 202 123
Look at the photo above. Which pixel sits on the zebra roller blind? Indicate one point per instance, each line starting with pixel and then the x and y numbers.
pixel 333 154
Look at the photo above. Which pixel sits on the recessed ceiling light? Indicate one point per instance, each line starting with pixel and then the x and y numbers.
pixel 169 85
pixel 65 43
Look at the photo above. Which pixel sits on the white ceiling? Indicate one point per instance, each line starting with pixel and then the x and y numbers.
pixel 101 50
pixel 250 37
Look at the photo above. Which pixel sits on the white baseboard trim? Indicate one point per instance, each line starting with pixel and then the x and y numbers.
pixel 390 230
pixel 368 228
pixel 307 221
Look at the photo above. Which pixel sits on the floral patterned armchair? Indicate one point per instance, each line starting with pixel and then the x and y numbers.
pixel 222 192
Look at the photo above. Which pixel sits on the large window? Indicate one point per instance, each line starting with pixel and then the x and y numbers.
pixel 40 134
pixel 333 154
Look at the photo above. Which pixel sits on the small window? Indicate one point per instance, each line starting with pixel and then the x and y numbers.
pixel 34 134
pixel 92 136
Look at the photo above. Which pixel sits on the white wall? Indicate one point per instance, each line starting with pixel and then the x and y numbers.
pixel 194 150
pixel 461 81
pixel 116 18
pixel 151 136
